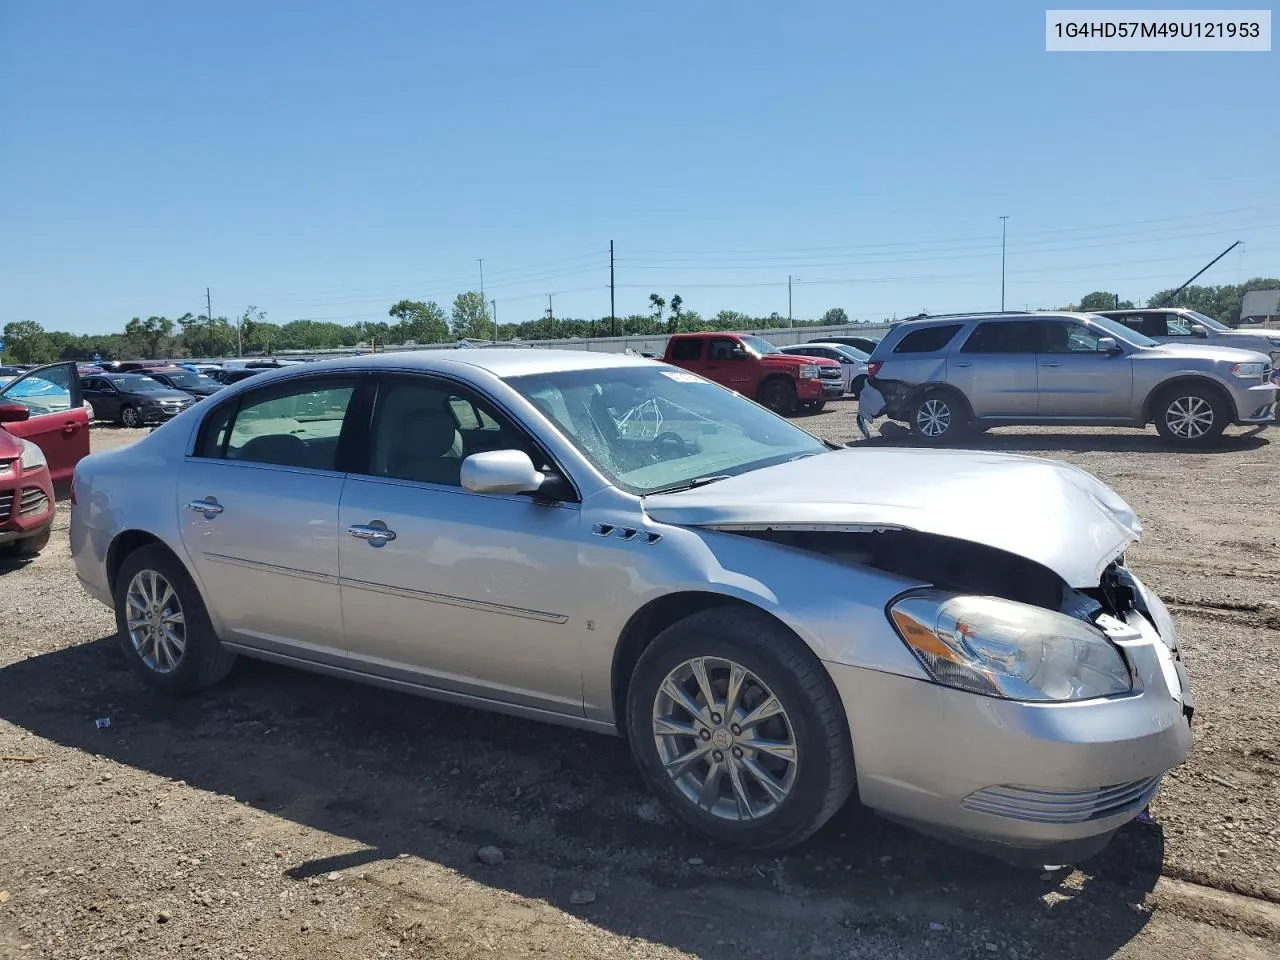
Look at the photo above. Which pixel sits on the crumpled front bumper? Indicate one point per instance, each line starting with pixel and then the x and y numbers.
pixel 1036 782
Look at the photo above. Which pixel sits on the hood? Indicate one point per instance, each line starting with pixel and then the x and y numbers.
pixel 1207 351
pixel 154 395
pixel 1260 336
pixel 1052 513
pixel 10 446
pixel 792 360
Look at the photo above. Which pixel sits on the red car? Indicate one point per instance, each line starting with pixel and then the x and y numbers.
pixel 44 433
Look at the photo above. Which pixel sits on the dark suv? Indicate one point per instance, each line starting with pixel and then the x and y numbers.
pixel 946 375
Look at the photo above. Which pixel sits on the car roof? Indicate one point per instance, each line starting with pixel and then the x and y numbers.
pixel 1112 313
pixel 914 323
pixel 499 361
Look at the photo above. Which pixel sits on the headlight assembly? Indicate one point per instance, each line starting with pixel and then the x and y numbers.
pixel 1247 371
pixel 808 372
pixel 1006 649
pixel 32 456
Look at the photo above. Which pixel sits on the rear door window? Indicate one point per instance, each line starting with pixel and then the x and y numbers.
pixel 686 349
pixel 928 339
pixel 1005 337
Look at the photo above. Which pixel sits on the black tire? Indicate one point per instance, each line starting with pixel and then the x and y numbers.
pixel 1179 414
pixel 204 661
pixel 26 547
pixel 814 406
pixel 779 396
pixel 939 416
pixel 129 416
pixel 824 774
pixel 855 388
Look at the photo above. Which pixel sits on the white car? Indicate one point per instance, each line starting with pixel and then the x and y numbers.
pixel 853 362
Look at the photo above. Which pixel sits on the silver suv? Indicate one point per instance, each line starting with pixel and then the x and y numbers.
pixel 946 375
pixel 1179 325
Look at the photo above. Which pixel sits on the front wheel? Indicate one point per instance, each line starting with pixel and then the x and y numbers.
pixel 779 396
pixel 737 727
pixel 129 416
pixel 938 417
pixel 1192 416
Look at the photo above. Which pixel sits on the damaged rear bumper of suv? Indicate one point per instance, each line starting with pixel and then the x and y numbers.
pixel 1041 783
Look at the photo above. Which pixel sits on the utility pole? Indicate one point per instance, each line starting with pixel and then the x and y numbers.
pixel 1004 223
pixel 613 314
pixel 208 304
pixel 1173 297
pixel 789 323
pixel 494 304
pixel 480 260
pixel 550 311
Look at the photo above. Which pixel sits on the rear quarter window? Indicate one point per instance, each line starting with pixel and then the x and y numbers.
pixel 690 349
pixel 928 340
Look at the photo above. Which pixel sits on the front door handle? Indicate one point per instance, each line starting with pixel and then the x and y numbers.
pixel 70 427
pixel 962 363
pixel 1050 363
pixel 375 532
pixel 209 506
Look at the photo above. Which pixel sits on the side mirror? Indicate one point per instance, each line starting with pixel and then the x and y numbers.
pixel 1197 330
pixel 1108 345
pixel 13 413
pixel 737 353
pixel 501 471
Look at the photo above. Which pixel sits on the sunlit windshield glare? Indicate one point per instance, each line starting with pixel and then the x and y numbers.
pixel 1209 322
pixel 1118 330
pixel 138 384
pixel 654 428
pixel 759 345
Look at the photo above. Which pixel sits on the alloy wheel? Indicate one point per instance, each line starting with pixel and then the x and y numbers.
pixel 129 417
pixel 1189 418
pixel 157 626
pixel 934 417
pixel 724 739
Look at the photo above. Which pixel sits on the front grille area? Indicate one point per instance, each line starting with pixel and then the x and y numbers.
pixel 6 505
pixel 1047 805
pixel 829 373
pixel 33 502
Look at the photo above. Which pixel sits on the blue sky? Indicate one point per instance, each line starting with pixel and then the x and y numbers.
pixel 325 159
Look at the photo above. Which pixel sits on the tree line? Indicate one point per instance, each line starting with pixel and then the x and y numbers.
pixel 425 322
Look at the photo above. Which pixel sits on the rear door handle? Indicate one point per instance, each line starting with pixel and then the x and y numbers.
pixel 375 532
pixel 962 363
pixel 70 426
pixel 209 506
pixel 1050 363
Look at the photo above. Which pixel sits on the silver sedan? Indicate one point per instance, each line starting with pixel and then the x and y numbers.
pixel 773 622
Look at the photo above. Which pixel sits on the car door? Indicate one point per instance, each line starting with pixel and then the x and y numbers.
pixel 57 422
pixel 258 503
pixel 1076 379
pixel 463 592
pixel 103 396
pixel 995 368
pixel 729 365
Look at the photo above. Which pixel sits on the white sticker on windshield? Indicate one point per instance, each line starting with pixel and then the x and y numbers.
pixel 679 376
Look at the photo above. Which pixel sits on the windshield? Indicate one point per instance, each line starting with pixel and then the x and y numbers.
pixel 853 353
pixel 136 383
pixel 1118 330
pixel 187 378
pixel 1209 322
pixel 652 429
pixel 759 345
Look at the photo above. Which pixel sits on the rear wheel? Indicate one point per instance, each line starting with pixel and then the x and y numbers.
pixel 779 396
pixel 1192 415
pixel 736 726
pixel 938 417
pixel 129 416
pixel 163 626
pixel 814 406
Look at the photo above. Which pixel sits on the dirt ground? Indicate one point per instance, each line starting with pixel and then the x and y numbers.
pixel 288 816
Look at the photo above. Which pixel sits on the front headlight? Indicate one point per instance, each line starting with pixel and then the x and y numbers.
pixel 809 372
pixel 1006 649
pixel 32 456
pixel 1247 371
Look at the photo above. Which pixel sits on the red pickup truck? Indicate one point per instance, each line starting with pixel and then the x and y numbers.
pixel 755 368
